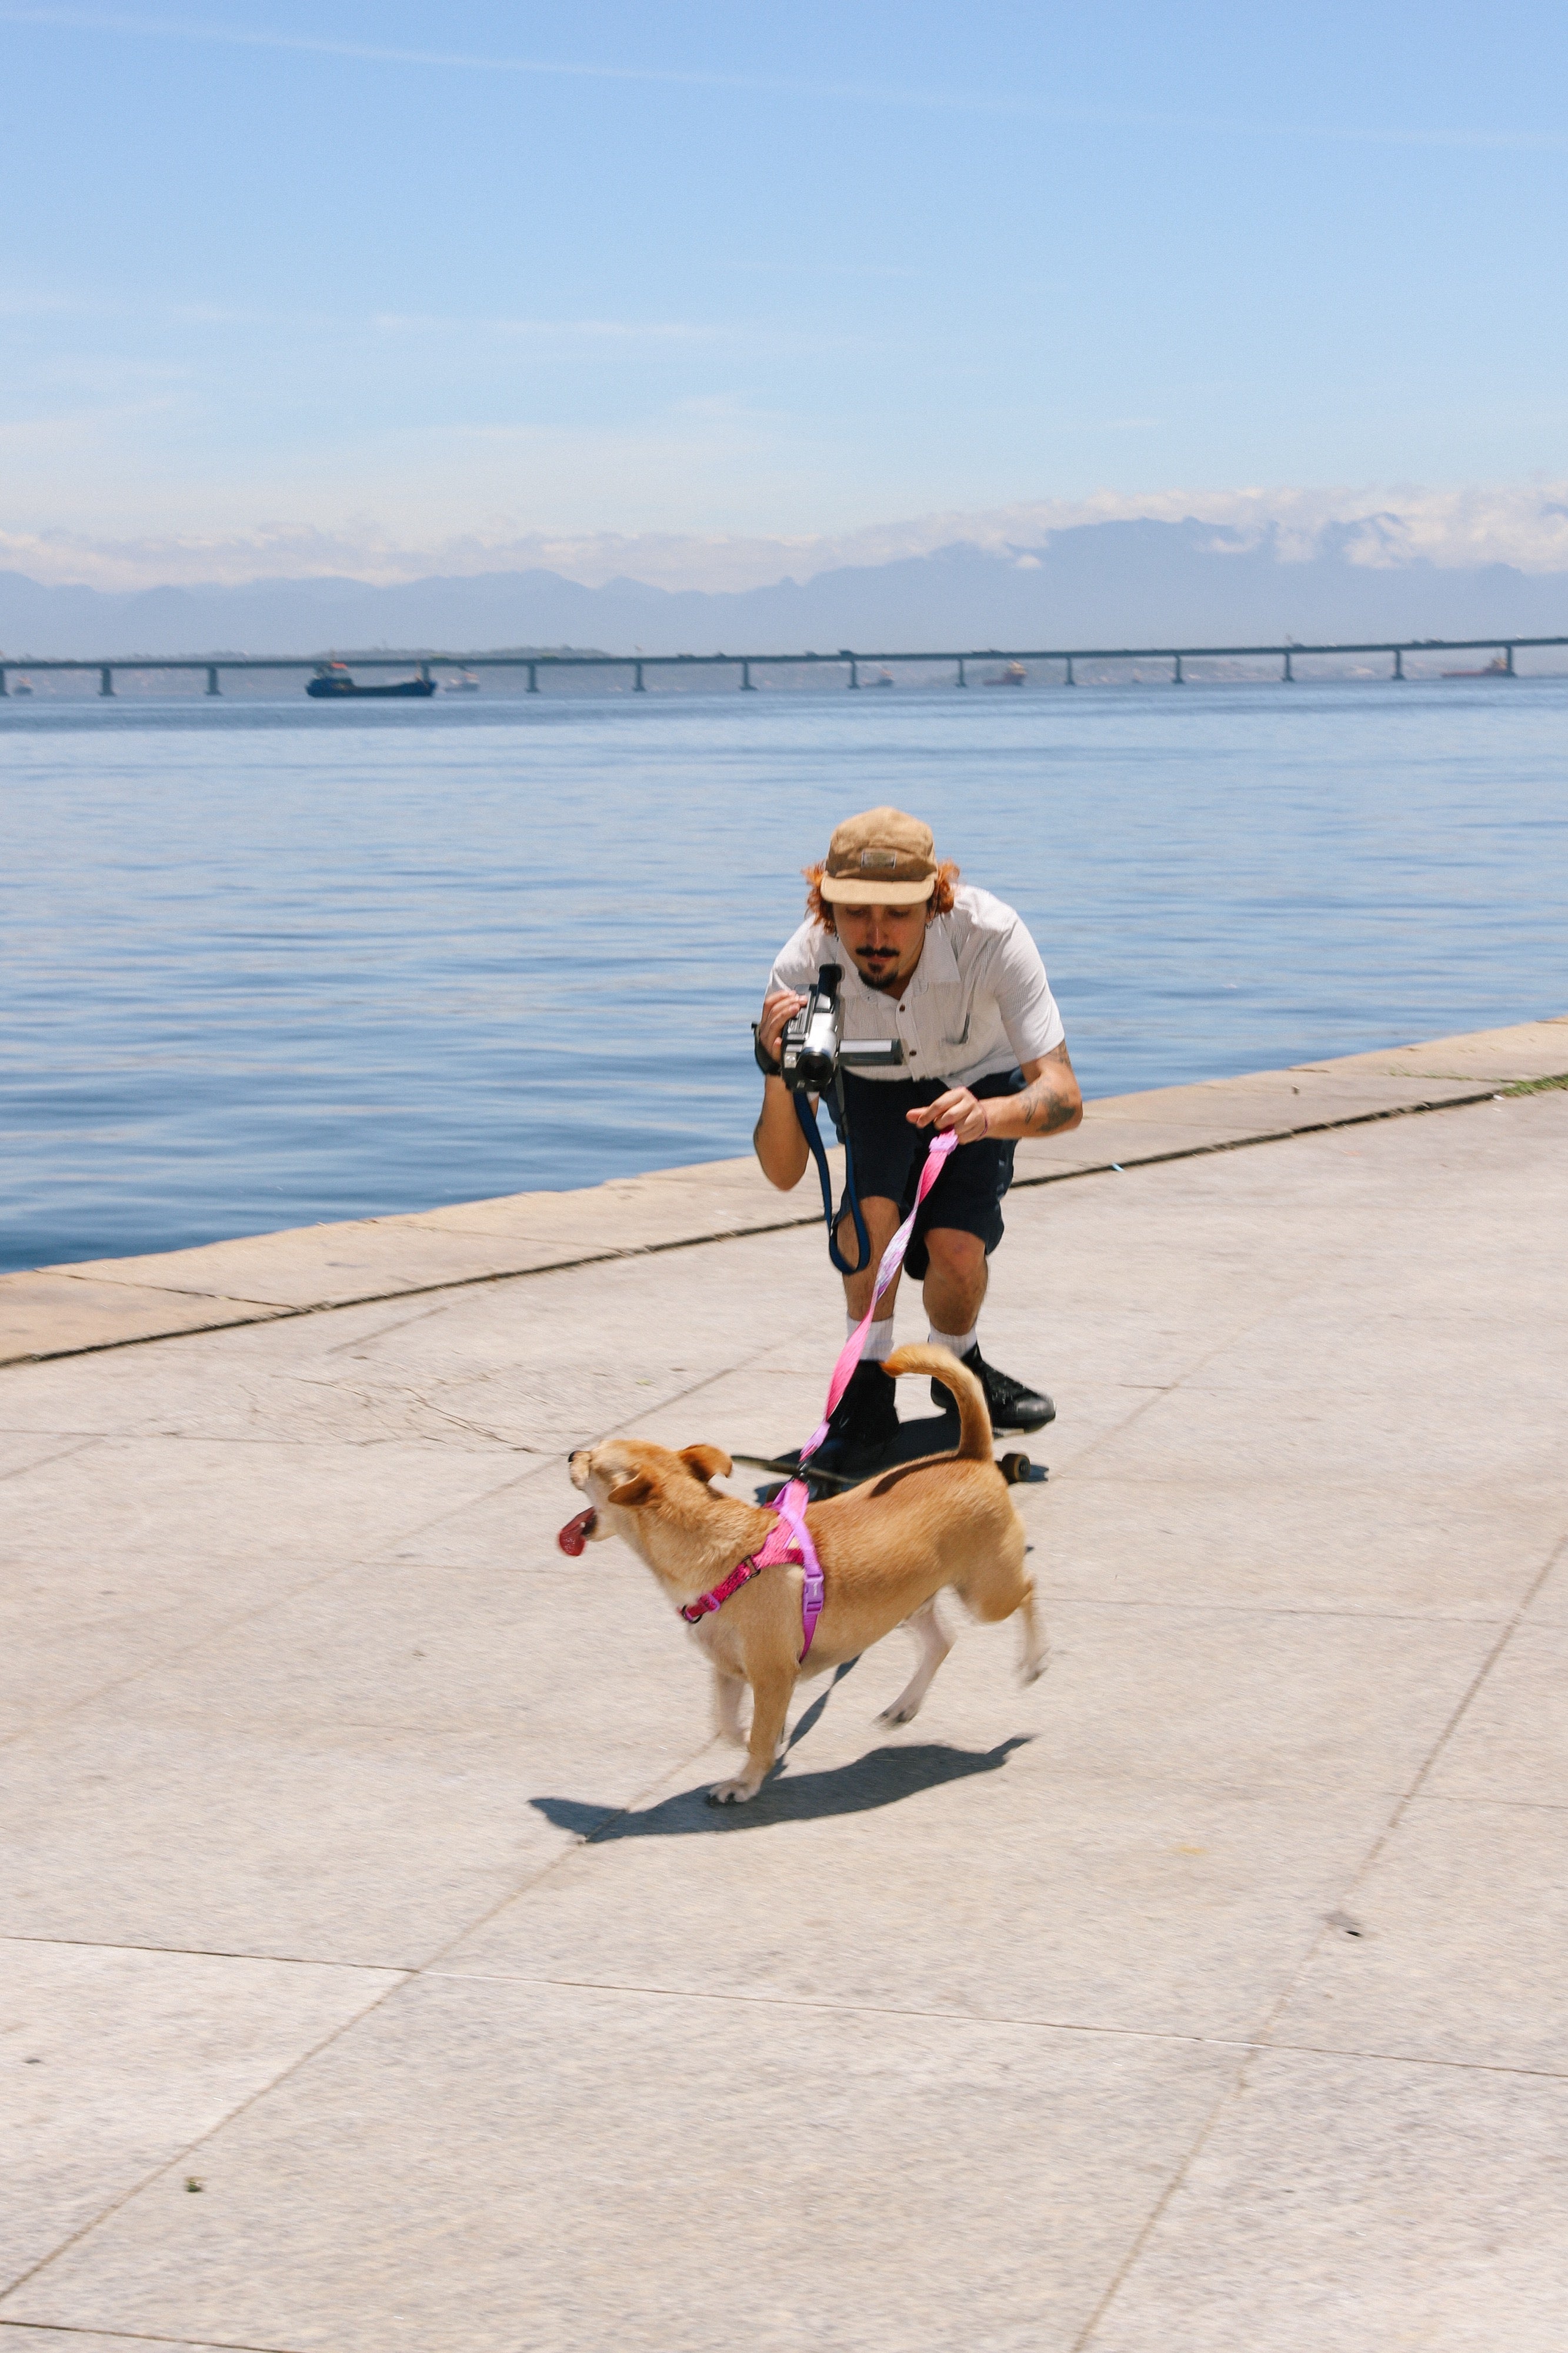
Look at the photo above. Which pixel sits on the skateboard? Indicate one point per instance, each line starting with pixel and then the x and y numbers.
pixel 928 1434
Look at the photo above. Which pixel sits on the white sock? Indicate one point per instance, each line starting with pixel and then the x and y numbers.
pixel 879 1340
pixel 960 1343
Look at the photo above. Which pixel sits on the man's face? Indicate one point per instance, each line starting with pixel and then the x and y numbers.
pixel 884 942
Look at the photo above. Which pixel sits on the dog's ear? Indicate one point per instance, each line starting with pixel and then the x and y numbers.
pixel 635 1490
pixel 707 1462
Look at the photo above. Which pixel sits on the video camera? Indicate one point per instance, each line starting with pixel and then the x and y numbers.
pixel 812 1050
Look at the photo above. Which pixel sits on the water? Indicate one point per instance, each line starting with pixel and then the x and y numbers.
pixel 269 963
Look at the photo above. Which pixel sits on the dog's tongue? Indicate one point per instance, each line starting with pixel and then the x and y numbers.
pixel 575 1533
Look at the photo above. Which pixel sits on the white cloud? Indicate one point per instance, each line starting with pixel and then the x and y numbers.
pixel 1523 524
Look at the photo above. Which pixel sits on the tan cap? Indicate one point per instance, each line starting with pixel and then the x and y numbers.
pixel 880 859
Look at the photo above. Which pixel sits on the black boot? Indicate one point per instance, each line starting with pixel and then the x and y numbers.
pixel 864 1425
pixel 1012 1404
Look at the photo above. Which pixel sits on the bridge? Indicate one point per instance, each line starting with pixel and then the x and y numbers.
pixel 850 661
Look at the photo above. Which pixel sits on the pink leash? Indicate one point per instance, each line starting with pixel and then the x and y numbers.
pixel 791 1500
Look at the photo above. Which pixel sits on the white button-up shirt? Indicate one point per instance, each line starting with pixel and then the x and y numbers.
pixel 977 1002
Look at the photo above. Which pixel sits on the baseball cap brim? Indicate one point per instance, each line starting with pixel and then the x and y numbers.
pixel 841 892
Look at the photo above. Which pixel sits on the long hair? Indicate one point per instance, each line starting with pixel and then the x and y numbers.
pixel 820 910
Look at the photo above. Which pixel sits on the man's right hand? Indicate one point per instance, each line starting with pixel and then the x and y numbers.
pixel 779 1008
pixel 780 1143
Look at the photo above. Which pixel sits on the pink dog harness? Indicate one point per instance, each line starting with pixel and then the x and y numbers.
pixel 787 1543
pixel 797 1547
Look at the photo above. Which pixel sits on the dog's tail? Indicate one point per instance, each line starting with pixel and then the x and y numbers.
pixel 973 1418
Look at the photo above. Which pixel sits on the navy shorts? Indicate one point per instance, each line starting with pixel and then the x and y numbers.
pixel 889 1154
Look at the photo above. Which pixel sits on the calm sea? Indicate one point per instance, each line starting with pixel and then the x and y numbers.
pixel 266 963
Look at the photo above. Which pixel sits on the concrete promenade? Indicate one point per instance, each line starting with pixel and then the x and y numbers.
pixel 374 1978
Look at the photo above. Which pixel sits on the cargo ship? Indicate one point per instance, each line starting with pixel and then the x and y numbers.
pixel 333 683
pixel 1496 668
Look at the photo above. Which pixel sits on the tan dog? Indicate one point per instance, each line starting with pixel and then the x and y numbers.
pixel 887 1550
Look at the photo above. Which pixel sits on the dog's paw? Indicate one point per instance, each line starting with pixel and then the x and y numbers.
pixel 897 1713
pixel 1033 1669
pixel 732 1793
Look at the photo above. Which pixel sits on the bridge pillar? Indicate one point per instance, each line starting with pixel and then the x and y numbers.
pixel 746 686
pixel 1070 679
pixel 212 678
pixel 533 677
pixel 1508 662
pixel 425 672
pixel 4 690
pixel 1399 661
pixel 1290 677
pixel 961 678
pixel 639 688
pixel 106 680
pixel 1176 678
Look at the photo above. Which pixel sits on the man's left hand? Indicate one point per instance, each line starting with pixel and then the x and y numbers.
pixel 958 1110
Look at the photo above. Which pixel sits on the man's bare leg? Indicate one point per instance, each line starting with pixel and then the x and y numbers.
pixel 956 1277
pixel 882 1222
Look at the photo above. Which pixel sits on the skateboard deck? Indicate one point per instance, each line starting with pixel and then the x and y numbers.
pixel 928 1434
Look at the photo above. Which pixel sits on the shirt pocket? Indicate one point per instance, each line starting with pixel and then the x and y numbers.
pixel 952 1019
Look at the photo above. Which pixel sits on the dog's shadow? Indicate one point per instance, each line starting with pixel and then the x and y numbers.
pixel 883 1778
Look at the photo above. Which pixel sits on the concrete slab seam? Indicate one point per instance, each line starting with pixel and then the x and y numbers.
pixel 538 1465
pixel 1276 1609
pixel 200 1953
pixel 75 1445
pixel 1151 2220
pixel 142 2337
pixel 1471 1694
pixel 263 1314
pixel 1249 2044
pixel 613 1814
pixel 142 1339
pixel 1170 1388
pixel 1266 2043
pixel 1499 1805
pixel 695 1241
pixel 173 2164
pixel 1266 1135
pixel 217 1631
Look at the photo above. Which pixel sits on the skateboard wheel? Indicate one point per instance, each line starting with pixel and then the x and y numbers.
pixel 1015 1469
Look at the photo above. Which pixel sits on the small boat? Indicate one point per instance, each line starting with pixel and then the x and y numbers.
pixel 1496 668
pixel 883 678
pixel 333 682
pixel 22 686
pixel 465 682
pixel 1013 675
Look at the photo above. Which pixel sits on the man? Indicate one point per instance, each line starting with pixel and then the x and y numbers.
pixel 953 974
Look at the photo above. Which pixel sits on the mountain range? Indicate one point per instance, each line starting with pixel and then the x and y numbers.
pixel 1104 584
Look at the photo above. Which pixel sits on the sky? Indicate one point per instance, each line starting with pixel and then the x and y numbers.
pixel 712 292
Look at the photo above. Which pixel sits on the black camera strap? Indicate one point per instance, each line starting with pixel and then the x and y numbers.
pixel 813 1135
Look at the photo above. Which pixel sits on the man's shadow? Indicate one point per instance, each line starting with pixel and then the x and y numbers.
pixel 883 1778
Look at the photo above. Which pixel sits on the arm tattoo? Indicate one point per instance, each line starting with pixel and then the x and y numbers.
pixel 1045 1104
